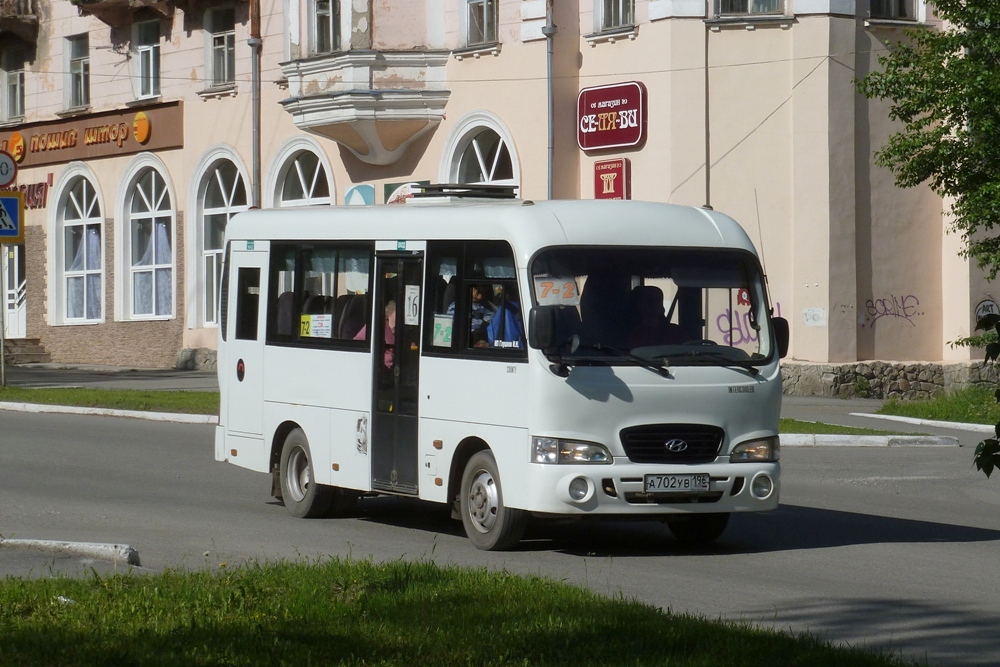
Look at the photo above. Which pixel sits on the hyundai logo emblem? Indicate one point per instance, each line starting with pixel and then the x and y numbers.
pixel 676 445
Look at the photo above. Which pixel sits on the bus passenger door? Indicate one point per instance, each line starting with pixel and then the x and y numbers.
pixel 244 359
pixel 396 367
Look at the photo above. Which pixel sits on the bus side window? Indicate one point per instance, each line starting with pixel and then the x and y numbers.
pixel 247 303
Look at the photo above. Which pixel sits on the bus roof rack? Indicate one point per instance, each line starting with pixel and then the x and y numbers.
pixel 465 190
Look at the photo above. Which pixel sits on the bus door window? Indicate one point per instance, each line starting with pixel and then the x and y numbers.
pixel 247 303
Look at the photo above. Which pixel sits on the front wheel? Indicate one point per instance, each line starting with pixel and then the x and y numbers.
pixel 698 528
pixel 303 497
pixel 490 525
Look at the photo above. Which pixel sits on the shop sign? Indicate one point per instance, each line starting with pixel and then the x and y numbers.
pixel 986 307
pixel 36 195
pixel 613 179
pixel 611 116
pixel 96 135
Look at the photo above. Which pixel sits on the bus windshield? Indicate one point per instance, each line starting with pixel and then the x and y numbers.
pixel 678 306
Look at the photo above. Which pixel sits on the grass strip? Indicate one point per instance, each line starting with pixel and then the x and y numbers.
pixel 186 402
pixel 363 613
pixel 797 426
pixel 972 405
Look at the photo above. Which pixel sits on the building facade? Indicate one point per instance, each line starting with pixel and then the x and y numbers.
pixel 139 128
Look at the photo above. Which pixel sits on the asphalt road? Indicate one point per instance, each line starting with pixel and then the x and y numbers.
pixel 890 548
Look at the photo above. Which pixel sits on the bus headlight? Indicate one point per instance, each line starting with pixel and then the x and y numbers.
pixel 557 450
pixel 755 451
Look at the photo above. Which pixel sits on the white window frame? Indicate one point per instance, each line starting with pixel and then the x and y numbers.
pixel 309 178
pixel 147 59
pixel 78 68
pixel 82 211
pixel 489 12
pixel 753 8
pixel 156 201
pixel 463 139
pixel 210 281
pixel 893 13
pixel 325 24
pixel 614 15
pixel 220 57
pixel 12 66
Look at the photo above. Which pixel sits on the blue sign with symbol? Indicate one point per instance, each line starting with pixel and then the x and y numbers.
pixel 12 218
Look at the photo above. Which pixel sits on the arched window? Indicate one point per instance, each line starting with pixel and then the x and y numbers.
pixel 305 182
pixel 485 158
pixel 150 229
pixel 224 195
pixel 480 149
pixel 82 252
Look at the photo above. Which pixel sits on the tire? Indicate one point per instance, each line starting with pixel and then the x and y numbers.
pixel 303 497
pixel 489 524
pixel 698 528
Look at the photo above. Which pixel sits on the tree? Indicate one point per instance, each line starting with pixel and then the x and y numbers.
pixel 944 88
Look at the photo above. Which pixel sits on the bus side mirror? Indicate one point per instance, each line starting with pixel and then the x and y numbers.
pixel 542 327
pixel 781 334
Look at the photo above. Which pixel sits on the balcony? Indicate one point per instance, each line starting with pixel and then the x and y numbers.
pixel 120 12
pixel 20 19
pixel 374 103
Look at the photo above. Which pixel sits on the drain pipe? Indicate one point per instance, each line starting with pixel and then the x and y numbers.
pixel 549 31
pixel 255 43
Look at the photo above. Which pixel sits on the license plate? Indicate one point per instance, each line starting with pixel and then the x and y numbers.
pixel 676 483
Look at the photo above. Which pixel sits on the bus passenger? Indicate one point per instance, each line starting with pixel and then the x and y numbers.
pixel 650 326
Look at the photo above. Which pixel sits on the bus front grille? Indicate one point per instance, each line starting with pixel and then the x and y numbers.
pixel 672 443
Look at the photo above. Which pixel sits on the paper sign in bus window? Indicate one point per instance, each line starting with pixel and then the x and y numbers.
pixel 316 326
pixel 553 291
pixel 442 331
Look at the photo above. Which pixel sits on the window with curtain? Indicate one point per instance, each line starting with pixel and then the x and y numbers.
pixel 148 58
pixel 305 182
pixel 151 250
pixel 326 26
pixel 482 22
pixel 617 14
pixel 222 23
pixel 744 7
pixel 83 275
pixel 12 63
pixel 902 10
pixel 225 196
pixel 79 71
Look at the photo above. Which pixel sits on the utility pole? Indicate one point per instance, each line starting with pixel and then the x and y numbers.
pixel 255 43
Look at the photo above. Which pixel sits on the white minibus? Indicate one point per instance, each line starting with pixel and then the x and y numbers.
pixel 509 359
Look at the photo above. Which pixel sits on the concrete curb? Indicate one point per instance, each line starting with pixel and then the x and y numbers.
pixel 108 412
pixel 112 552
pixel 958 426
pixel 824 440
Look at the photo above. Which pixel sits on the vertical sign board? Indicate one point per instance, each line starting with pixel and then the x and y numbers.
pixel 613 179
pixel 12 217
pixel 611 116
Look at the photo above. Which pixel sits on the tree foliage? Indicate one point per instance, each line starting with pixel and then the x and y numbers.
pixel 943 86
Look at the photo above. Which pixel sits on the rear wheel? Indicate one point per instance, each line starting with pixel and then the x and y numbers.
pixel 490 525
pixel 698 528
pixel 303 497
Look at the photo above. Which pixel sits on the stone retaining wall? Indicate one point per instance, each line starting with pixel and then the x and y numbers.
pixel 884 379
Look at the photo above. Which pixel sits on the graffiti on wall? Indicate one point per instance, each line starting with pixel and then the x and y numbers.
pixel 737 330
pixel 901 307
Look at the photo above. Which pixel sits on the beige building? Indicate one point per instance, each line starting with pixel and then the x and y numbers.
pixel 133 126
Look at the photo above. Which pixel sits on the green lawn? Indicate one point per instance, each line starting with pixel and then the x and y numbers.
pixel 364 613
pixel 975 405
pixel 187 402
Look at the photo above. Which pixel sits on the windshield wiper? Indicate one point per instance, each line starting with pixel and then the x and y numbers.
pixel 697 355
pixel 656 365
